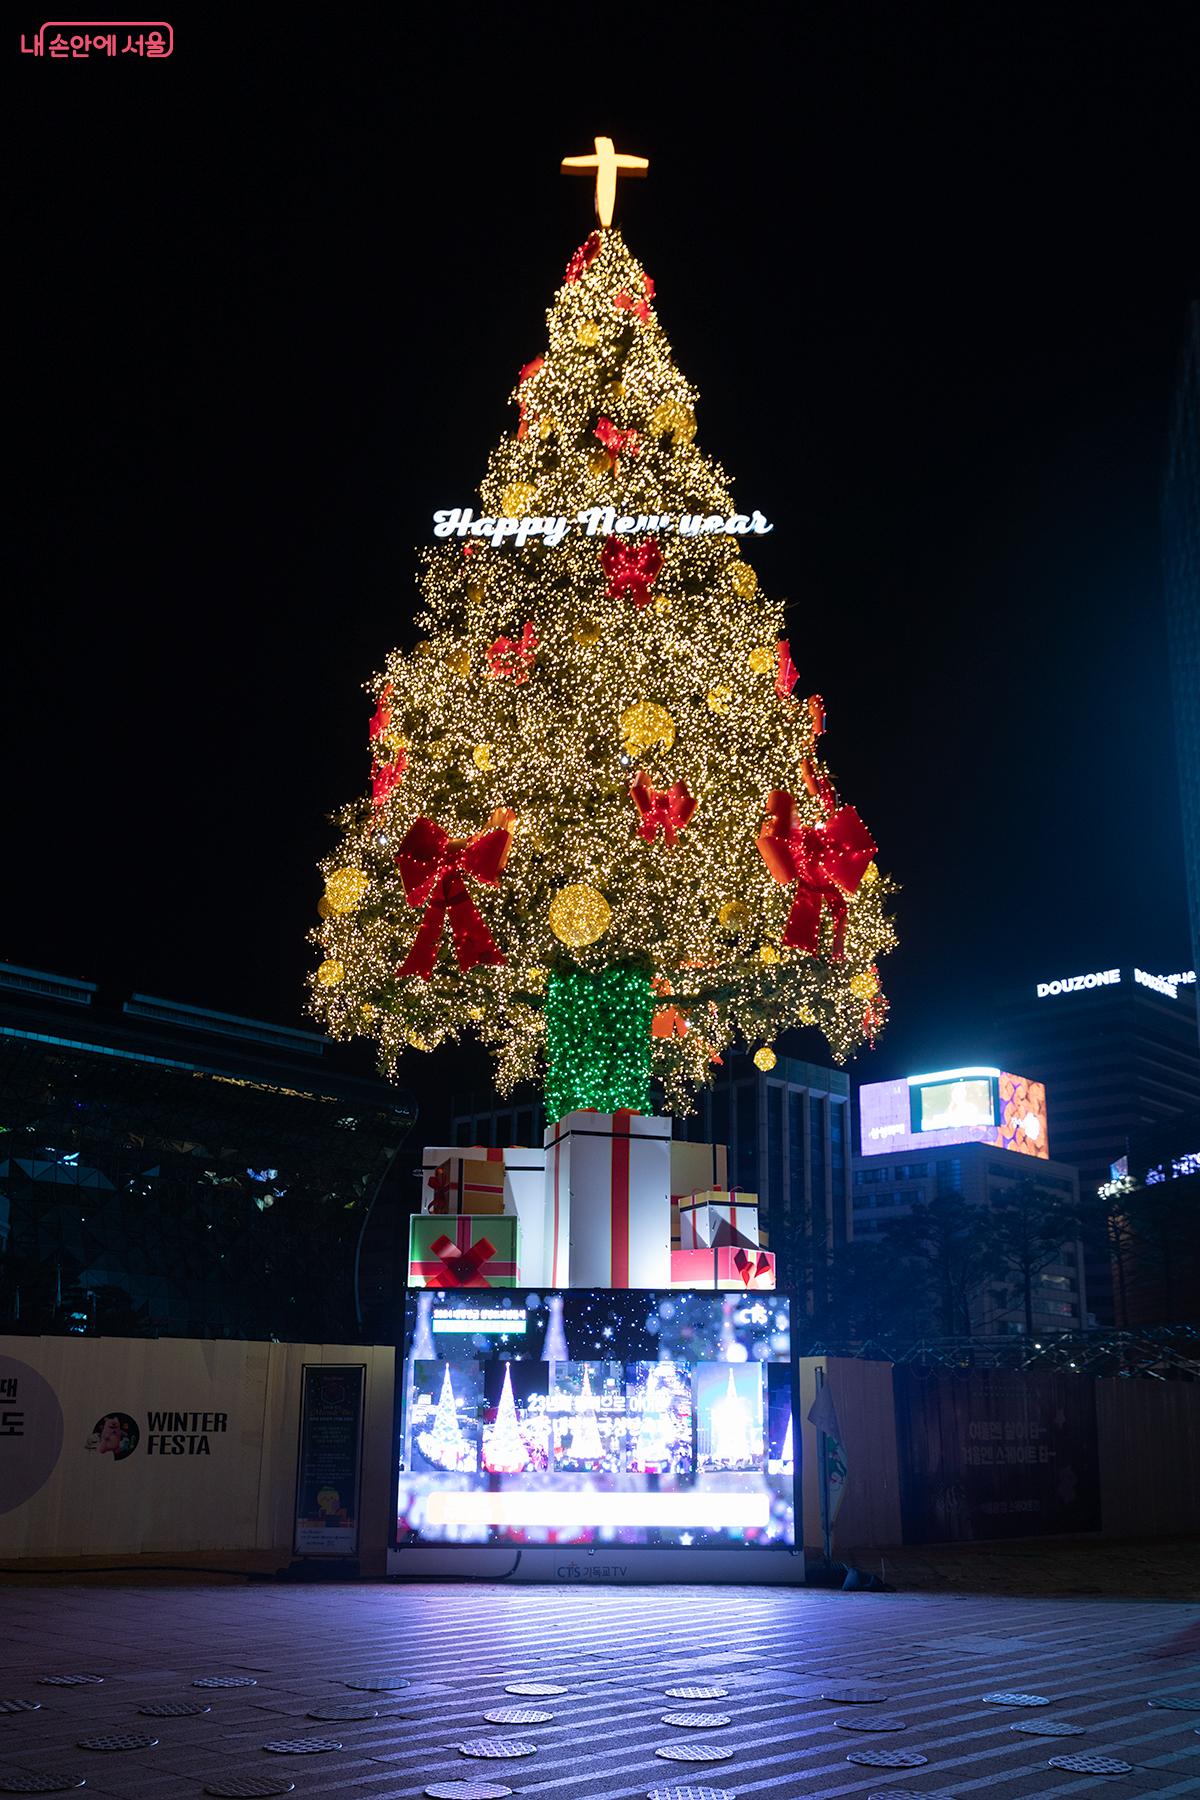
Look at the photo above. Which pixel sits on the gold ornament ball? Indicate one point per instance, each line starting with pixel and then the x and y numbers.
pixel 395 740
pixel 761 661
pixel 537 977
pixel 587 632
pixel 768 954
pixel 476 589
pixel 718 700
pixel 324 910
pixel 345 888
pixel 547 427
pixel 517 498
pixel 743 581
pixel 599 462
pixel 474 1012
pixel 662 603
pixel 764 1059
pixel 807 1016
pixel 734 915
pixel 870 874
pixel 579 915
pixel 330 972
pixel 863 987
pixel 674 417
pixel 481 756
pixel 367 1010
pixel 458 662
pixel 416 1043
pixel 588 334
pixel 645 724
pixel 615 390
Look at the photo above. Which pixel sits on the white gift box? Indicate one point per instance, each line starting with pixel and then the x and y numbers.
pixel 608 1211
pixel 524 1193
pixel 717 1220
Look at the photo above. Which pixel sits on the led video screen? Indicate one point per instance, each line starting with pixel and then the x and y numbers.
pixel 622 1417
pixel 943 1105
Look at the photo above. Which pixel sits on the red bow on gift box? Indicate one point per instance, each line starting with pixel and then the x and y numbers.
pixel 382 716
pixel 825 861
pixel 583 258
pixel 513 656
pixel 432 866
pixel 386 776
pixel 616 441
pixel 670 808
pixel 462 1267
pixel 750 1264
pixel 787 674
pixel 640 309
pixel 631 568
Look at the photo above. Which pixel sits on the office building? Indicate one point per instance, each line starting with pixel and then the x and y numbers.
pixel 976 1135
pixel 1181 584
pixel 788 1133
pixel 169 1171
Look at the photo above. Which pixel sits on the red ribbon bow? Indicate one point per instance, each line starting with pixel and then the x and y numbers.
pixel 462 1267
pixel 584 257
pixel 825 861
pixel 670 808
pixel 513 656
pixel 386 776
pixel 616 441
pixel 382 716
pixel 631 568
pixel 787 674
pixel 640 309
pixel 749 1264
pixel 432 867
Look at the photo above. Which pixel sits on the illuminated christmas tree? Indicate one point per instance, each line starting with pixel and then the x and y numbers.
pixel 656 1434
pixel 554 1346
pixel 504 1451
pixel 444 1444
pixel 729 1441
pixel 600 830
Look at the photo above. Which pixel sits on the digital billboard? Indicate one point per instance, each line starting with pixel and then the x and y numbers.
pixel 608 1417
pixel 954 1106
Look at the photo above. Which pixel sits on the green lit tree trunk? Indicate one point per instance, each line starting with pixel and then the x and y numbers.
pixel 598 1040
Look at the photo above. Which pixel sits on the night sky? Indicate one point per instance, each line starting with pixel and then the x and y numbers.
pixel 928 269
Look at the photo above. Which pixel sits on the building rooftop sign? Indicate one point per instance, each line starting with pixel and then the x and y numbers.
pixel 1169 985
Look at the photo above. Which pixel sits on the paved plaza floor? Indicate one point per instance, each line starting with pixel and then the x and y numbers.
pixel 800 1672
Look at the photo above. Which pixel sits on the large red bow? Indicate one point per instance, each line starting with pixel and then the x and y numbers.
pixel 640 309
pixel 670 808
pixel 583 258
pixel 462 1267
pixel 432 866
pixel 386 776
pixel 616 441
pixel 513 656
pixel 382 716
pixel 786 673
pixel 631 568
pixel 825 861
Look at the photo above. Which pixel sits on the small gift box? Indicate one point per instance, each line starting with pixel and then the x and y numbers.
pixel 463 1252
pixel 710 1220
pixel 697 1167
pixel 461 1186
pixel 730 1267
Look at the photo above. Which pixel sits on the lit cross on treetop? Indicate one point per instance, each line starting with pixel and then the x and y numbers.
pixel 608 164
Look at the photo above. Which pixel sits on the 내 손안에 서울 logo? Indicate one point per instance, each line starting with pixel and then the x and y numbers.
pixel 114 1434
pixel 78 40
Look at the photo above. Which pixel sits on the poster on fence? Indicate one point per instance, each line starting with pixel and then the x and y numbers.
pixel 330 1461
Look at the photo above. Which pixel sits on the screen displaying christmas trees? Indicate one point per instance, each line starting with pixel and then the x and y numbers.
pixel 631 1418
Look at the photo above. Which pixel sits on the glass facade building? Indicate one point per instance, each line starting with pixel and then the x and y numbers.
pixel 1181 572
pixel 168 1171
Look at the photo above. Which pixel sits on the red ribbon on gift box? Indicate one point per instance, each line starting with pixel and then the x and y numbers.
pixel 665 808
pixel 462 1265
pixel 826 862
pixel 751 1265
pixel 433 866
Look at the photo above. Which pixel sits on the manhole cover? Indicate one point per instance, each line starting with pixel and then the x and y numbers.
pixel 854 1696
pixel 1007 1699
pixel 15 1706
pixel 518 1715
pixel 1092 1765
pixel 343 1715
pixel 301 1746
pixel 70 1680
pixel 15 1782
pixel 697 1693
pixel 220 1681
pixel 118 1740
pixel 498 1747
pixel 872 1722
pixel 174 1709
pixel 693 1753
pixel 1176 1702
pixel 377 1684
pixel 888 1759
pixel 693 1721
pixel 535 1687
pixel 467 1790
pixel 1048 1728
pixel 247 1787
